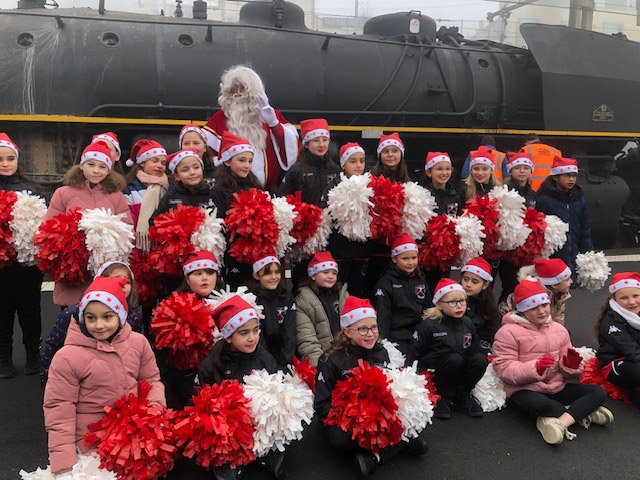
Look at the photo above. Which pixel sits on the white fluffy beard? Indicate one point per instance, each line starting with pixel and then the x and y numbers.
pixel 243 119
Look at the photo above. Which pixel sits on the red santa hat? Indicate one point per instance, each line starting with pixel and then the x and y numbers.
pixel 177 157
pixel 144 150
pixel 191 127
pixel 264 261
pixel 436 157
pixel 109 292
pixel 5 141
pixel 444 286
pixel 321 262
pixel 347 150
pixel 97 151
pixel 519 158
pixel 530 294
pixel 233 313
pixel 106 265
pixel 482 156
pixel 480 267
pixel 551 271
pixel 110 136
pixel 313 128
pixel 232 145
pixel 198 261
pixel 624 280
pixel 392 140
pixel 564 165
pixel 354 310
pixel 403 243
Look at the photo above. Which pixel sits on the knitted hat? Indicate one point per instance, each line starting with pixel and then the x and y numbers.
pixel 320 262
pixel 112 137
pixel 436 157
pixel 231 314
pixel 177 157
pixel 347 150
pixel 480 267
pixel 313 128
pixel 529 295
pixel 520 158
pixel 354 310
pixel 109 292
pixel 232 145
pixel 444 286
pixel 389 141
pixel 191 127
pixel 257 265
pixel 5 141
pixel 199 260
pixel 624 280
pixel 564 165
pixel 482 156
pixel 106 265
pixel 551 271
pixel 144 150
pixel 403 243
pixel 99 152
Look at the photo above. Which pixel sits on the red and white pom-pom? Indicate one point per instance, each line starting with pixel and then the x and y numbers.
pixel 319 241
pixel 409 390
pixel 308 219
pixel 490 391
pixel 555 235
pixel 305 371
pixel 107 237
pixel 441 245
pixel 183 325
pixel 592 269
pixel 534 245
pixel 485 209
pixel 396 357
pixel 209 236
pixel 134 439
pixel 388 208
pixel 434 397
pixel 284 214
pixel 147 278
pixel 27 215
pixel 587 353
pixel 592 375
pixel 218 428
pixel 86 468
pixel 7 250
pixel 419 209
pixel 349 205
pixel 470 230
pixel 511 207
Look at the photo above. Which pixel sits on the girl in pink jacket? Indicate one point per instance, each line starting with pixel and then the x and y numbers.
pixel 534 358
pixel 102 359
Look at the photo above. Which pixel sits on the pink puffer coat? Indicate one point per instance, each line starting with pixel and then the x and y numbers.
pixel 85 376
pixel 517 347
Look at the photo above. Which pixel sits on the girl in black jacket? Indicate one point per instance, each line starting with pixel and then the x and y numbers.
pixel 481 178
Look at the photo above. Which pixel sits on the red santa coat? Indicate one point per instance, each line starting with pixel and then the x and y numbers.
pixel 280 152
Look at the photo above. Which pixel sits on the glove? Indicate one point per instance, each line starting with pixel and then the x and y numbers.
pixel 572 359
pixel 266 111
pixel 543 363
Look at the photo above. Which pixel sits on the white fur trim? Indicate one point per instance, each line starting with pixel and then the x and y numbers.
pixel 532 302
pixel 452 287
pixel 175 161
pixel 97 156
pixel 349 318
pixel 198 265
pixel 321 267
pixel 520 161
pixel 235 150
pixel 318 132
pixel 107 299
pixel 104 136
pixel 478 271
pixel 482 161
pixel 192 128
pixel 239 319
pixel 564 169
pixel 561 277
pixel 440 158
pixel 257 266
pixel 348 153
pixel 626 283
pixel 405 247
pixel 388 143
pixel 149 154
pixel 106 265
pixel 11 145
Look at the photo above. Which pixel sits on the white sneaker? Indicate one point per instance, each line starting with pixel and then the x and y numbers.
pixel 551 429
pixel 601 416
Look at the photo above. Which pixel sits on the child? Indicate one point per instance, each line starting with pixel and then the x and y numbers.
pixel 618 333
pixel 113 144
pixel 192 137
pixel 534 358
pixel 481 306
pixel 446 341
pixel 482 178
pixel 401 295
pixel 559 195
pixel 520 168
pixel 318 305
pixel 92 184
pixel 358 340
pixel 101 361
pixel 19 284
pixel 278 328
pixel 555 276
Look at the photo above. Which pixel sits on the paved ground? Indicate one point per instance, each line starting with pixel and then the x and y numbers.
pixel 502 445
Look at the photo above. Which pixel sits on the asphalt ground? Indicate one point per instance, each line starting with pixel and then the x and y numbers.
pixel 501 445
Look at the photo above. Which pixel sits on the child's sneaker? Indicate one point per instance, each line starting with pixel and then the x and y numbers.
pixel 443 409
pixel 553 430
pixel 601 416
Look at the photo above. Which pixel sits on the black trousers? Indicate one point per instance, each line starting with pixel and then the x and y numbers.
pixel 299 273
pixel 509 278
pixel 340 440
pixel 20 293
pixel 625 374
pixel 376 267
pixel 456 374
pixel 582 400
pixel 353 272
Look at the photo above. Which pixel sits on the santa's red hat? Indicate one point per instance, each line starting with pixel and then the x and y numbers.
pixel 403 243
pixel 354 310
pixel 563 165
pixel 106 265
pixel 444 286
pixel 177 157
pixel 392 140
pixel 233 313
pixel 99 152
pixel 108 291
pixel 436 157
pixel 624 280
pixel 519 158
pixel 347 150
pixel 199 260
pixel 110 136
pixel 191 127
pixel 264 261
pixel 551 271
pixel 313 128
pixel 480 267
pixel 144 150
pixel 482 156
pixel 529 294
pixel 5 141
pixel 232 145
pixel 320 262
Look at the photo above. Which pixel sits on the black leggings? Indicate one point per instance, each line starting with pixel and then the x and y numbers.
pixel 341 440
pixel 582 400
pixel 456 375
pixel 624 373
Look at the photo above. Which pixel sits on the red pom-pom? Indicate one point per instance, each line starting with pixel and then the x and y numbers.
pixel 183 325
pixel 7 252
pixel 363 406
pixel 147 277
pixel 252 226
pixel 306 372
pixel 170 236
pixel 592 374
pixel 485 208
pixel 533 246
pixel 134 440
pixel 62 252
pixel 218 427
pixel 434 398
pixel 387 210
pixel 308 218
pixel 441 245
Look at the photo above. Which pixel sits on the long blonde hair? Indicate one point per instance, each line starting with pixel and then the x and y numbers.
pixel 471 185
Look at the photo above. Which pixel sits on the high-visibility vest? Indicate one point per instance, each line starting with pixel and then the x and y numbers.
pixel 542 156
pixel 498 160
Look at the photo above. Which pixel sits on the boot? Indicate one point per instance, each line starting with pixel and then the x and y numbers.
pixel 273 462
pixel 33 363
pixel 7 370
pixel 417 446
pixel 225 472
pixel 366 464
pixel 443 409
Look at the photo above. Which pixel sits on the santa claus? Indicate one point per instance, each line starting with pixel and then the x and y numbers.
pixel 246 112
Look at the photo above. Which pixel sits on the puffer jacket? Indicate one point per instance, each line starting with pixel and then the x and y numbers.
pixel 518 346
pixel 558 304
pixel 85 376
pixel 617 339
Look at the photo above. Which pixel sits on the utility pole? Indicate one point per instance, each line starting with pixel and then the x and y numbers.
pixel 581 14
pixel 356 15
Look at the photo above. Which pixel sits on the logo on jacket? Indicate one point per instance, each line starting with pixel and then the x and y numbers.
pixel 379 293
pixel 415 335
pixel 452 208
pixel 466 341
pixel 281 312
pixel 613 329
pixel 336 306
pixel 420 291
pixel 331 179
pixel 320 377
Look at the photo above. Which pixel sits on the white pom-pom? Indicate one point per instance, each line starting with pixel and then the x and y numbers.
pixel 218 297
pixel 281 405
pixel 210 235
pixel 511 208
pixel 129 162
pixel 490 391
pixel 471 232
pixel 348 204
pixel 593 270
pixel 320 239
pixel 396 357
pixel 587 353
pixel 27 215
pixel 555 235
pixel 410 393
pixel 419 208
pixel 284 213
pixel 528 272
pixel 107 236
pixel 87 468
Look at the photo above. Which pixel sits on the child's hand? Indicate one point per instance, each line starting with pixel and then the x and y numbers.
pixel 543 363
pixel 572 359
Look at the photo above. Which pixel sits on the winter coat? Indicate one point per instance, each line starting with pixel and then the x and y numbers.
pixel 518 346
pixel 14 183
pixel 485 328
pixel 482 189
pixel 313 329
pixel 526 192
pixel 449 200
pixel 617 339
pixel 278 327
pixel 85 376
pixel 236 364
pixel 320 176
pixel 558 304
pixel 338 366
pixel 222 199
pixel 178 194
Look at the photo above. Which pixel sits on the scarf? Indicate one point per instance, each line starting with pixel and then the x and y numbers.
pixel 631 318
